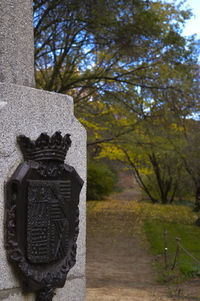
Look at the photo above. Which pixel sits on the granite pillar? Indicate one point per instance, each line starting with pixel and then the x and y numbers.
pixel 28 111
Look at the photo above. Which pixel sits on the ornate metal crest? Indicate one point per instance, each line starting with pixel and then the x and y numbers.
pixel 42 214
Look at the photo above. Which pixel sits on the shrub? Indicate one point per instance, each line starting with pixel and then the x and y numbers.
pixel 100 181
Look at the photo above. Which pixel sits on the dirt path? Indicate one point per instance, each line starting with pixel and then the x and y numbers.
pixel 119 267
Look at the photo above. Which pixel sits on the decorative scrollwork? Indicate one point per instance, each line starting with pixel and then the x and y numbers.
pixel 50 169
pixel 45 294
pixel 42 215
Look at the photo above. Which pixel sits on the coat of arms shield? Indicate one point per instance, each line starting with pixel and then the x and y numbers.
pixel 42 214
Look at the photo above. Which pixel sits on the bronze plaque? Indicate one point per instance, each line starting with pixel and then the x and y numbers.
pixel 42 214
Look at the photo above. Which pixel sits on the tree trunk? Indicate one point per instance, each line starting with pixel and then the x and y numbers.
pixel 197 200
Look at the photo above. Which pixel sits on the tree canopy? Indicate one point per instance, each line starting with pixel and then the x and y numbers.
pixel 99 47
pixel 134 78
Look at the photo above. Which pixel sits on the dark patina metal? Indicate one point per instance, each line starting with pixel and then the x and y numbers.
pixel 42 215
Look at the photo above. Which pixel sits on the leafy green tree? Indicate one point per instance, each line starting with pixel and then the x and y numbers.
pixel 108 50
pixel 156 167
pixel 188 149
pixel 101 181
pixel 133 77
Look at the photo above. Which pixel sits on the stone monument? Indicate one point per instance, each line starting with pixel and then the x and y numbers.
pixel 27 111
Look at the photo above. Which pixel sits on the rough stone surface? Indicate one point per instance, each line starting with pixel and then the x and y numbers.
pixel 16 42
pixel 28 111
pixel 17 297
pixel 73 291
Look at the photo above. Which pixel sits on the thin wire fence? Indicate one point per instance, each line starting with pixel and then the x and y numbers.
pixel 177 252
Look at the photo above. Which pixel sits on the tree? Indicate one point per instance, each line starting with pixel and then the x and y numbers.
pixel 104 49
pixel 188 149
pixel 127 66
pixel 157 168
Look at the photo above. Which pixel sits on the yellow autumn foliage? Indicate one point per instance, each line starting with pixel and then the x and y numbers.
pixel 166 213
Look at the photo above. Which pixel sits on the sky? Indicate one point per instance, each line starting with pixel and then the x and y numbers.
pixel 193 25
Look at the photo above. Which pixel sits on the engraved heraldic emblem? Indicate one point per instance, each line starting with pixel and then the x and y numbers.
pixel 42 215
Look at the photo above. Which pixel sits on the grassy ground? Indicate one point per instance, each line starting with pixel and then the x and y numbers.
pixel 189 238
pixel 189 235
pixel 179 221
pixel 119 257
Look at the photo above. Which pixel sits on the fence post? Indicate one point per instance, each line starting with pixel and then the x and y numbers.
pixel 166 249
pixel 177 253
